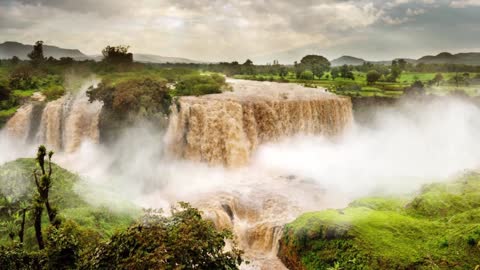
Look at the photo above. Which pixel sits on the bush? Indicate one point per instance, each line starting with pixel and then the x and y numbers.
pixel 197 85
pixel 373 76
pixel 182 241
pixel 306 75
pixel 21 78
pixel 53 92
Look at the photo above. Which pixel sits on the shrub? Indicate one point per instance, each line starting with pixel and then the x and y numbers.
pixel 197 85
pixel 306 75
pixel 182 241
pixel 53 92
pixel 373 76
pixel 21 78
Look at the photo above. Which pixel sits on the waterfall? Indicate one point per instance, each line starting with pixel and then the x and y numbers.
pixel 225 129
pixel 61 125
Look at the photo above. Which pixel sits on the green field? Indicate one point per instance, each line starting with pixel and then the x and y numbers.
pixel 360 87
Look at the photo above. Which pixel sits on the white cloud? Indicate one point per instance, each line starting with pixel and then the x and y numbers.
pixel 464 3
pixel 415 11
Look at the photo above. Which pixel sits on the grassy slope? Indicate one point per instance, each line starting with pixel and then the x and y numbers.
pixel 17 183
pixel 438 229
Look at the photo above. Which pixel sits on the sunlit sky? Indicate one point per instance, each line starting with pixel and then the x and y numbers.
pixel 263 30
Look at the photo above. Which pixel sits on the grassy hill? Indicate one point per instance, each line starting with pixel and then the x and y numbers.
pixel 437 229
pixel 17 186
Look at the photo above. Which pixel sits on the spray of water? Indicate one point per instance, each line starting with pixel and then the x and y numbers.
pixel 411 144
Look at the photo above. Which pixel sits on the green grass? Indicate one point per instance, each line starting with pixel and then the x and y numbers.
pixel 438 229
pixel 6 114
pixel 24 93
pixel 379 89
pixel 17 186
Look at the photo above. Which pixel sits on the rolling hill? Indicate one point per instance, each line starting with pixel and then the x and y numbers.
pixel 347 60
pixel 448 58
pixel 10 48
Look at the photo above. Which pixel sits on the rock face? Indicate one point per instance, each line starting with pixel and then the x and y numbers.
pixel 226 128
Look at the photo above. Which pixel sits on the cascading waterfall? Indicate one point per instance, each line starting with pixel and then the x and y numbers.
pixel 225 129
pixel 61 124
pixel 221 129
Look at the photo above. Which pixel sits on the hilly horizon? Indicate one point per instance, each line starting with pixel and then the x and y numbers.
pixel 9 49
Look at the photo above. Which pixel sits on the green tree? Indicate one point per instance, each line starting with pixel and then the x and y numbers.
pixel 438 78
pixel 335 73
pixel 36 56
pixel 117 55
pixel 283 72
pixel 248 67
pixel 317 64
pixel 373 76
pixel 43 183
pixel 181 241
pixel 307 75
pixel 346 72
pixel 5 91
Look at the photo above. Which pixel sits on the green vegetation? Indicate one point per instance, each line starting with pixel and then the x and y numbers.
pixel 71 234
pixel 437 229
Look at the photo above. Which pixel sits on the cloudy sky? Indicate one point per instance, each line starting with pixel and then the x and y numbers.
pixel 263 30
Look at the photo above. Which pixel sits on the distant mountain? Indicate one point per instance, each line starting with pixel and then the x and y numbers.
pixel 389 62
pixel 347 60
pixel 448 58
pixel 10 49
pixel 150 58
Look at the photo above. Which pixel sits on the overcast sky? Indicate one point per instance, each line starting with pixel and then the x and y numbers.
pixel 262 30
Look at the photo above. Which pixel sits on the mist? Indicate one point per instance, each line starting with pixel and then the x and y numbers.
pixel 411 144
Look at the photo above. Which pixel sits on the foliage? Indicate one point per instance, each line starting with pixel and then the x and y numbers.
pixel 117 55
pixel 181 241
pixel 36 56
pixel 317 64
pixel 22 77
pixel 438 229
pixel 373 76
pixel 197 85
pixel 307 75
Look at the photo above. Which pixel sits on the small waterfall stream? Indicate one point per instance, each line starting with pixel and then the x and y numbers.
pixel 61 124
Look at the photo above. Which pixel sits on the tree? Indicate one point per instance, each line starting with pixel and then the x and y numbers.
pixel 181 241
pixel 43 183
pixel 335 73
pixel 346 72
pixel 373 76
pixel 416 89
pixel 307 75
pixel 299 68
pixel 36 56
pixel 248 67
pixel 5 91
pixel 283 72
pixel 438 78
pixel 117 55
pixel 402 64
pixel 22 78
pixel 15 60
pixel 317 64
pixel 395 71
